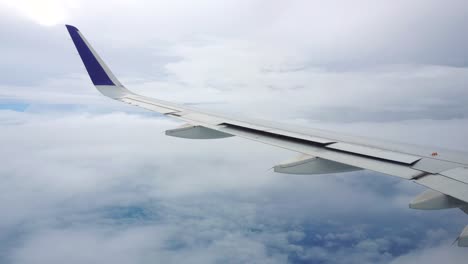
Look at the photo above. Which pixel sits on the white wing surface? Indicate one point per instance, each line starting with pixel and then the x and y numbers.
pixel 444 172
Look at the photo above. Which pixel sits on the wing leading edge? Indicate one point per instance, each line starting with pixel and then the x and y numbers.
pixel 444 172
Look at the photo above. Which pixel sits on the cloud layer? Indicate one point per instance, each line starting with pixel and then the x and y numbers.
pixel 112 187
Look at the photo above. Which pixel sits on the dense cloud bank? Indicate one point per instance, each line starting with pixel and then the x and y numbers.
pixel 112 187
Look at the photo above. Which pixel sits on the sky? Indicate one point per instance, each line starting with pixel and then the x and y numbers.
pixel 88 180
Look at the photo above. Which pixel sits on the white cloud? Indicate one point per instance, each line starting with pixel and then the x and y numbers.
pixel 443 253
pixel 112 187
pixel 45 12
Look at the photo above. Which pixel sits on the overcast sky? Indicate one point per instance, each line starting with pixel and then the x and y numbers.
pixel 85 179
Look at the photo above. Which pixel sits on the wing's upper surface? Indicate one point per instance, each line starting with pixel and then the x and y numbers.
pixel 444 172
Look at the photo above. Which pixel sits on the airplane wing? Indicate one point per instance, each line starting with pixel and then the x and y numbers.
pixel 444 172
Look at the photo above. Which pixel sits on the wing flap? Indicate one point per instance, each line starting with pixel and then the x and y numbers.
pixel 375 152
pixel 276 132
pixel 395 169
pixel 434 166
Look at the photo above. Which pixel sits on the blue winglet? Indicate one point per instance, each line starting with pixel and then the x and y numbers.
pixel 95 70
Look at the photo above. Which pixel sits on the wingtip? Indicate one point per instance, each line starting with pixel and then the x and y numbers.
pixel 70 27
pixel 96 68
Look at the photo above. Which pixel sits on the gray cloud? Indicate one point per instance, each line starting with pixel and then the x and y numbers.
pixel 332 35
pixel 395 61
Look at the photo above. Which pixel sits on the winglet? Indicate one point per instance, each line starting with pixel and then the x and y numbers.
pixel 98 71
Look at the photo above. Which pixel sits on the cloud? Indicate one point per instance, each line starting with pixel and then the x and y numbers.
pixel 335 33
pixel 436 254
pixel 46 12
pixel 255 62
pixel 112 187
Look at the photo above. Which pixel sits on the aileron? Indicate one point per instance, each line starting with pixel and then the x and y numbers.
pixel 446 185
